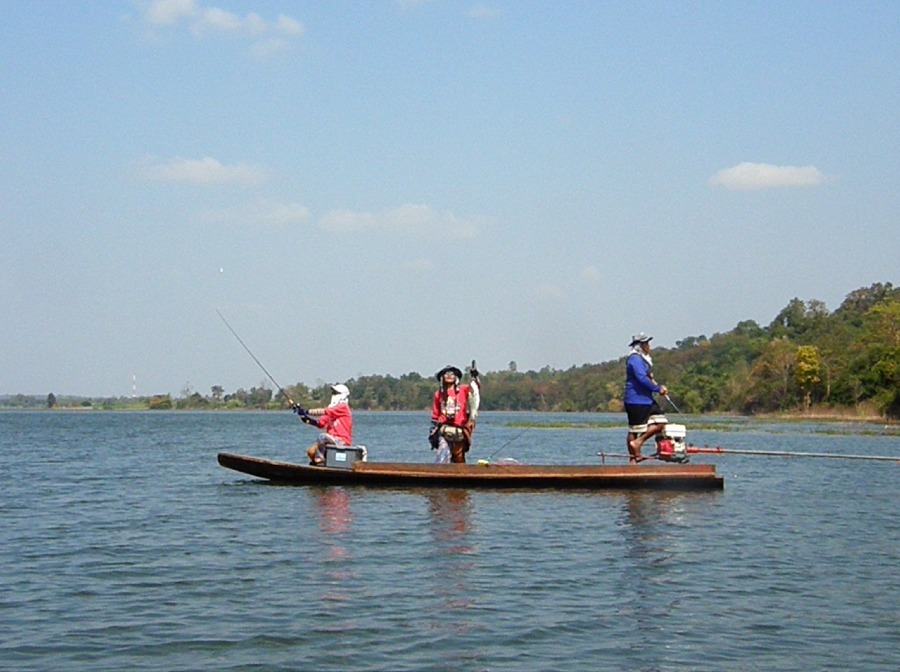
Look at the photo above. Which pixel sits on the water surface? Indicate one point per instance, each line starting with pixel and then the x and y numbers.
pixel 126 547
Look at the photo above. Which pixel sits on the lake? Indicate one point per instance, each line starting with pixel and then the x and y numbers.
pixel 126 547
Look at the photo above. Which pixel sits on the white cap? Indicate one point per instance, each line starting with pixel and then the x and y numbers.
pixel 340 394
pixel 640 337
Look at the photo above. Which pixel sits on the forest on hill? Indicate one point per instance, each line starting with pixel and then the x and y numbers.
pixel 846 361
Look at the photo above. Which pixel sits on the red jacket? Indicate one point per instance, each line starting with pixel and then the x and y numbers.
pixel 338 422
pixel 439 408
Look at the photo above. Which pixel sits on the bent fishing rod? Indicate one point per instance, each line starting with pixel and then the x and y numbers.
pixel 258 363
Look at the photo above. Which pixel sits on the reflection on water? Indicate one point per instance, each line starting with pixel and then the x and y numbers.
pixel 654 588
pixel 332 505
pixel 450 513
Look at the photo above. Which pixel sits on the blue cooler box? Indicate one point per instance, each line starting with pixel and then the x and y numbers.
pixel 343 457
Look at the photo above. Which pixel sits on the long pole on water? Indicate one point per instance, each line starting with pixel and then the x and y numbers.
pixel 775 453
pixel 710 450
pixel 258 363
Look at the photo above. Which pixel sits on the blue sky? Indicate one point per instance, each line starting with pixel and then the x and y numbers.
pixel 390 186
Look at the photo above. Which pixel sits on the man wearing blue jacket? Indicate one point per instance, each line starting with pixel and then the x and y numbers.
pixel 645 417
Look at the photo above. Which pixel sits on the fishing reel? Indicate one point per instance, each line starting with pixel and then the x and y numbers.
pixel 671 445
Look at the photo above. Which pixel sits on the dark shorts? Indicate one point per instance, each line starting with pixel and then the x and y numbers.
pixel 639 417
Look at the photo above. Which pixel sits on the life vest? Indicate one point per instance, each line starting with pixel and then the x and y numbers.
pixel 451 409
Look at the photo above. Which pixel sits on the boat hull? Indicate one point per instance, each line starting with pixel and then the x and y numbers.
pixel 587 477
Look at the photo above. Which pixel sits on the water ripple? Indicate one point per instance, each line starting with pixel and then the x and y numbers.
pixel 127 547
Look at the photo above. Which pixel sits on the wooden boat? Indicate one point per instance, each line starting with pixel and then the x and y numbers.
pixel 587 477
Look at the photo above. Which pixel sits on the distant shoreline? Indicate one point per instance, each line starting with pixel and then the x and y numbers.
pixel 817 416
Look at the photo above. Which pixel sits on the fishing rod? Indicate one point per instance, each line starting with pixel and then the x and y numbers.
pixel 258 363
pixel 669 399
pixel 507 443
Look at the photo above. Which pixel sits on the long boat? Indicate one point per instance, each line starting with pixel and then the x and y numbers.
pixel 483 475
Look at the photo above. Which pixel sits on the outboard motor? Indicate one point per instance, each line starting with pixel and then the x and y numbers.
pixel 670 444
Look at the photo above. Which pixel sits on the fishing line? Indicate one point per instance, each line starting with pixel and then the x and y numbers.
pixel 508 442
pixel 258 363
pixel 669 399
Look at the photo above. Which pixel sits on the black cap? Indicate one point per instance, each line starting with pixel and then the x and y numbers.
pixel 449 367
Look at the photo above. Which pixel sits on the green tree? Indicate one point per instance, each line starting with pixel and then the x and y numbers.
pixel 160 402
pixel 807 371
pixel 771 388
pixel 878 364
pixel 798 318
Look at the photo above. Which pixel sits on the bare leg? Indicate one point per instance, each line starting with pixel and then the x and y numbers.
pixel 458 452
pixel 634 445
pixel 634 454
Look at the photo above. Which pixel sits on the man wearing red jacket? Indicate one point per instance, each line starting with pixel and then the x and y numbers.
pixel 454 410
pixel 336 420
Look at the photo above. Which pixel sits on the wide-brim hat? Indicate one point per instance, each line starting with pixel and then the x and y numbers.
pixel 640 337
pixel 457 372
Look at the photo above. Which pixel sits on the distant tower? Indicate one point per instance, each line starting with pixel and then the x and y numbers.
pixel 134 386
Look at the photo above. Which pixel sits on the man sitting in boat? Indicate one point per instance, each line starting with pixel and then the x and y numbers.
pixel 454 410
pixel 336 420
pixel 645 417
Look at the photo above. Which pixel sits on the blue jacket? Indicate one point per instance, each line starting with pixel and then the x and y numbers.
pixel 639 386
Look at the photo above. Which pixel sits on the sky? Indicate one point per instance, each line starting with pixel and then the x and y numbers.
pixel 389 186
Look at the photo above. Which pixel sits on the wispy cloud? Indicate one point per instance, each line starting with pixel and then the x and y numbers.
pixel 482 12
pixel 420 266
pixel 591 274
pixel 206 171
pixel 169 12
pixel 201 20
pixel 754 176
pixel 421 220
pixel 549 292
pixel 261 213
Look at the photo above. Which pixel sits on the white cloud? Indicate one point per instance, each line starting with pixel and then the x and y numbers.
pixel 265 48
pixel 410 219
pixel 201 20
pixel 224 21
pixel 169 12
pixel 289 26
pixel 206 171
pixel 752 176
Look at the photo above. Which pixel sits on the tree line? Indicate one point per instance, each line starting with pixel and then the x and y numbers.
pixel 806 357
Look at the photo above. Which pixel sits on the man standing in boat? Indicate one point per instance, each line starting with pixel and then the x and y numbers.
pixel 645 417
pixel 336 420
pixel 454 410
